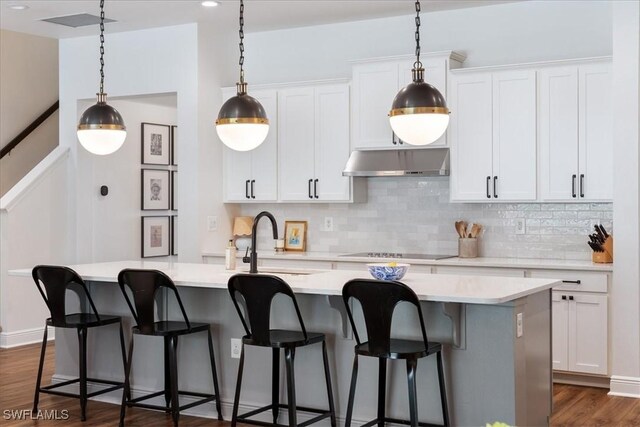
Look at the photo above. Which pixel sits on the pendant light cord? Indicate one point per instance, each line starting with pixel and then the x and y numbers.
pixel 101 47
pixel 417 64
pixel 241 34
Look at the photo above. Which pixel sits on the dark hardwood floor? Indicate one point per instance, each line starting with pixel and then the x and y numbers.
pixel 574 406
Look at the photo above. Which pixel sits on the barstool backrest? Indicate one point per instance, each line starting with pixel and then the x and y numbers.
pixel 144 285
pixel 258 292
pixel 56 280
pixel 378 300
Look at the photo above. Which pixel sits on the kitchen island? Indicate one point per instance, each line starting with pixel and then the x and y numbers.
pixel 495 369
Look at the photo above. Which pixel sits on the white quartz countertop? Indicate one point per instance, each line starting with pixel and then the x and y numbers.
pixel 521 263
pixel 428 287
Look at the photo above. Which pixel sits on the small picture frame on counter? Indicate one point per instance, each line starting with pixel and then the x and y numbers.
pixel 156 241
pixel 295 236
pixel 156 144
pixel 155 190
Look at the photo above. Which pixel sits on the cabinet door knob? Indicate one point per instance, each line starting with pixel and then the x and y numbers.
pixel 573 186
pixel 564 297
pixel 315 188
pixel 488 181
pixel 310 195
pixel 570 297
pixel 581 185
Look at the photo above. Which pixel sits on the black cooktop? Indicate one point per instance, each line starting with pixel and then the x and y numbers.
pixel 397 255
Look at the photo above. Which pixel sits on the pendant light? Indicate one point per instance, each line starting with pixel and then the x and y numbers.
pixel 419 114
pixel 101 129
pixel 242 123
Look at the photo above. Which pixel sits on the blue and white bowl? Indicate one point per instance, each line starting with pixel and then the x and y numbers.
pixel 383 271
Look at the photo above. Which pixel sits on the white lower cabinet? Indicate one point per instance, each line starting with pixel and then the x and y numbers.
pixel 580 332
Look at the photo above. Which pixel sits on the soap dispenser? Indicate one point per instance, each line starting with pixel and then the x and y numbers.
pixel 230 256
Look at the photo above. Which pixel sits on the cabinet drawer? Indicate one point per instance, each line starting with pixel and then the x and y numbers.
pixel 585 281
pixel 480 271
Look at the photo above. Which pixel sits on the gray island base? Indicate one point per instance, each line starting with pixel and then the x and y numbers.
pixel 492 373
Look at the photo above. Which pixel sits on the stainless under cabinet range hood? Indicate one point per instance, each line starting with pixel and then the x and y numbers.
pixel 416 162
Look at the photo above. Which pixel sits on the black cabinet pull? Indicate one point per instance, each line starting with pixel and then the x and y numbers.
pixel 253 195
pixel 393 138
pixel 495 193
pixel 581 185
pixel 577 282
pixel 564 297
pixel 310 195
pixel 315 188
pixel 573 186
pixel 246 189
pixel 570 297
pixel 488 181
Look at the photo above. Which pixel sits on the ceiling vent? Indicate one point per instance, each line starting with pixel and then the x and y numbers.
pixel 79 20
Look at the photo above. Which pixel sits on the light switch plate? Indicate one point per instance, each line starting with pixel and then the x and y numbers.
pixel 328 223
pixel 212 223
pixel 236 348
pixel 520 226
pixel 519 325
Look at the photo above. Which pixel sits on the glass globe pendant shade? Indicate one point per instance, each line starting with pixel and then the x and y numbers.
pixel 101 129
pixel 242 122
pixel 419 113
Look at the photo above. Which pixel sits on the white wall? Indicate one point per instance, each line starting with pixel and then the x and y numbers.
pixel 491 35
pixel 625 292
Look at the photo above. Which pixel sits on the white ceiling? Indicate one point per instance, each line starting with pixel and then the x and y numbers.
pixel 260 15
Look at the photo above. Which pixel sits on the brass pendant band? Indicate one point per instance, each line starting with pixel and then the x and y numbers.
pixel 419 110
pixel 242 120
pixel 101 126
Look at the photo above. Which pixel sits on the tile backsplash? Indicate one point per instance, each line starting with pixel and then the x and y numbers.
pixel 414 215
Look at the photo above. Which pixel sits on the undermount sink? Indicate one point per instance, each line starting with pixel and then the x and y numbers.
pixel 280 270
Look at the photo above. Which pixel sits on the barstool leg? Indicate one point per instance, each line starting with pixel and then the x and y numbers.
pixel 214 373
pixel 289 356
pixel 173 361
pixel 412 364
pixel 167 373
pixel 236 400
pixel 443 391
pixel 382 390
pixel 327 377
pixel 43 351
pixel 82 357
pixel 126 393
pixel 275 384
pixel 124 352
pixel 352 391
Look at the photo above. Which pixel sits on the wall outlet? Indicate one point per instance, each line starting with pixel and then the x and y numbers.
pixel 212 223
pixel 519 325
pixel 520 226
pixel 328 223
pixel 236 348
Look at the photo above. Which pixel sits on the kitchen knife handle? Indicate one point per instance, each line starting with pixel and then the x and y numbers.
pixel 575 282
pixel 315 188
pixel 573 186
pixel 488 181
pixel 310 195
pixel 253 196
pixel 581 185
pixel 495 193
pixel 246 189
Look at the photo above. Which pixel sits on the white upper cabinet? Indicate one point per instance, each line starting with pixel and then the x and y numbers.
pixel 252 176
pixel 375 85
pixel 313 140
pixel 493 136
pixel 576 146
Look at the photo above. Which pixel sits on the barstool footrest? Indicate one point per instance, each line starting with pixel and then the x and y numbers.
pixel 323 413
pixel 50 389
pixel 398 421
pixel 137 401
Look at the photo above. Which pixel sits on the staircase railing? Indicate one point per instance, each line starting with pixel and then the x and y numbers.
pixel 27 131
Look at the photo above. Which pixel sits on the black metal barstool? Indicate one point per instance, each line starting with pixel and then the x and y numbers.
pixel 257 293
pixel 144 284
pixel 56 281
pixel 378 300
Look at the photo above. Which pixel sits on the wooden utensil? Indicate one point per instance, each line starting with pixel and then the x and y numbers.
pixel 461 227
pixel 475 230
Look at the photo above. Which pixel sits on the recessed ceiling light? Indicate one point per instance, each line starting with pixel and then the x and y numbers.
pixel 19 7
pixel 210 3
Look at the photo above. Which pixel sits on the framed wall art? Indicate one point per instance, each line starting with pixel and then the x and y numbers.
pixel 156 144
pixel 155 236
pixel 295 236
pixel 174 190
pixel 155 190
pixel 174 235
pixel 174 146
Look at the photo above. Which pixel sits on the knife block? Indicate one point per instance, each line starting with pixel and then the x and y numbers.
pixel 605 257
